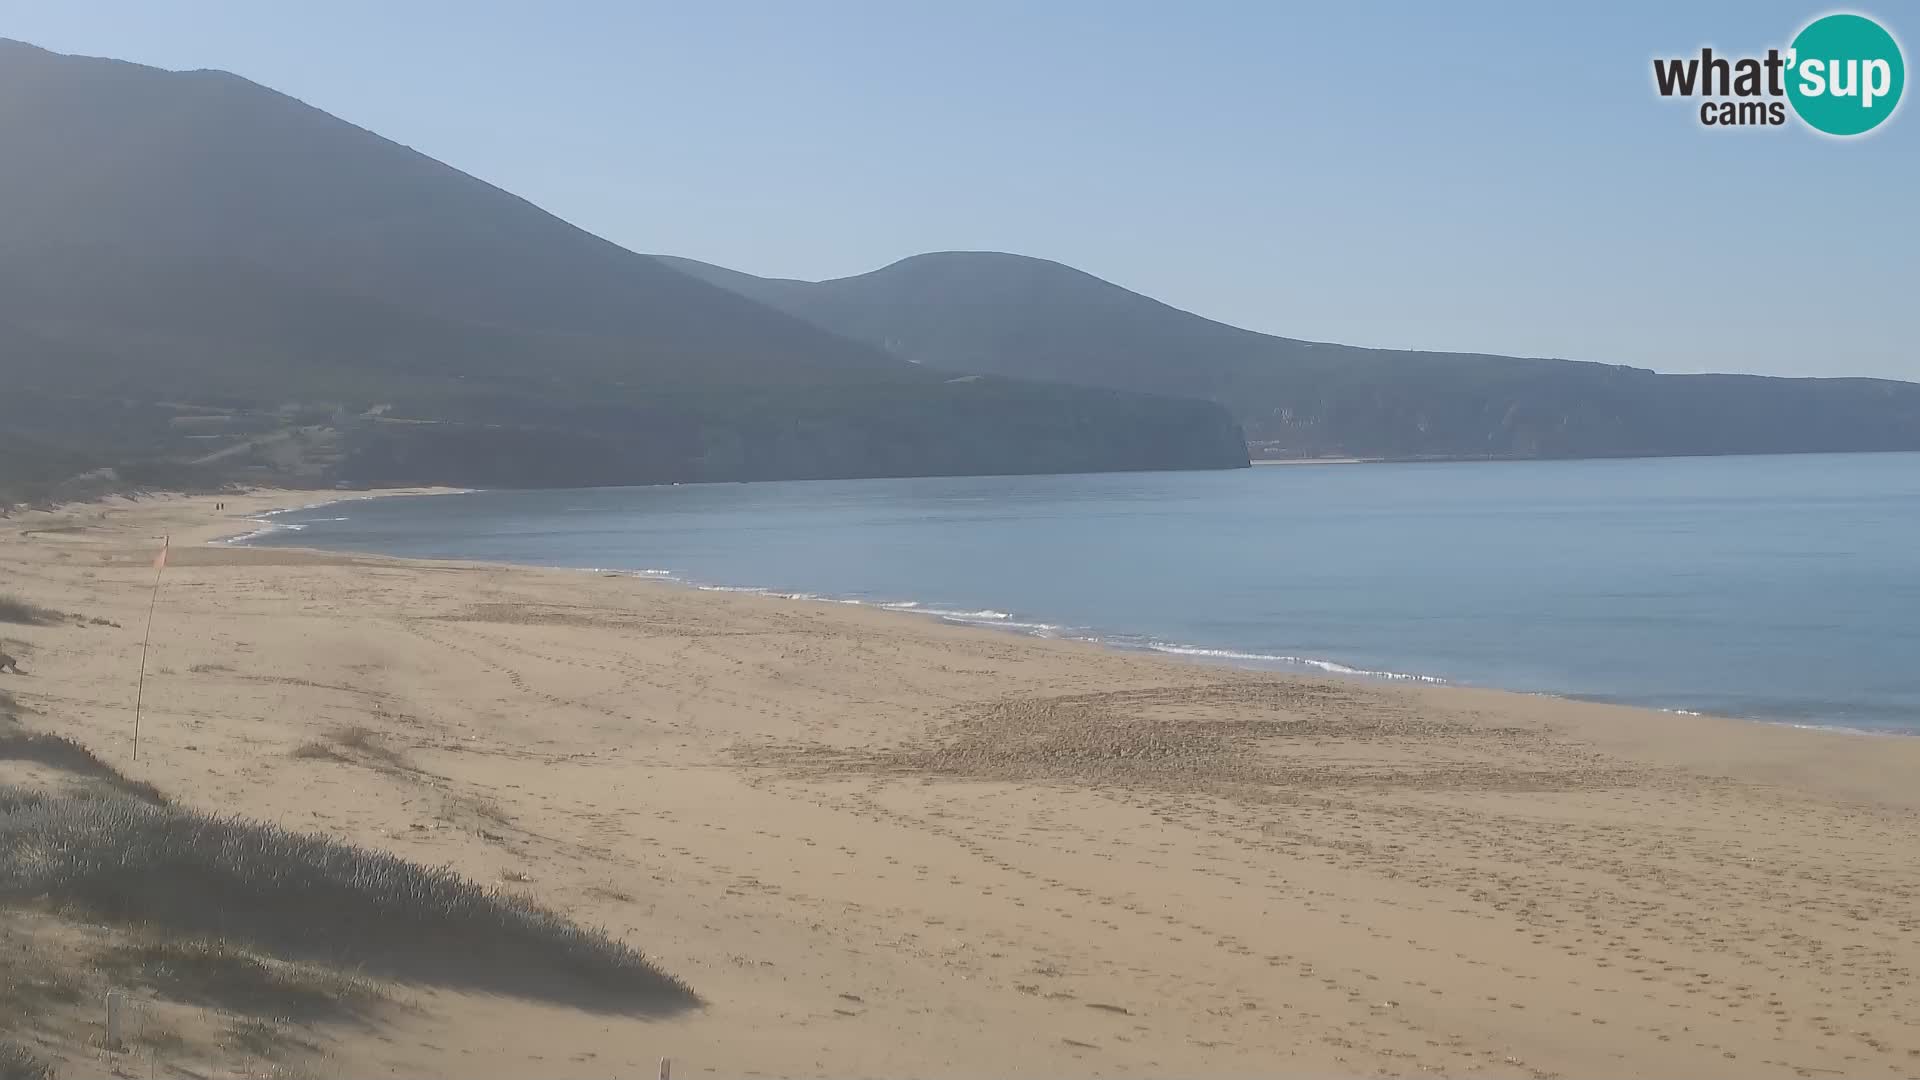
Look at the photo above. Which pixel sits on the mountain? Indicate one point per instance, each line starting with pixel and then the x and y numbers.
pixel 1011 315
pixel 185 256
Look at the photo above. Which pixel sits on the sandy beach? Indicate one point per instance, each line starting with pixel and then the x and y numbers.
pixel 878 845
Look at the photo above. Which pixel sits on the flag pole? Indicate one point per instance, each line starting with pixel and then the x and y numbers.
pixel 140 688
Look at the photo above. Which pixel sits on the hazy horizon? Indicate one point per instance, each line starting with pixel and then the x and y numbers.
pixel 1503 183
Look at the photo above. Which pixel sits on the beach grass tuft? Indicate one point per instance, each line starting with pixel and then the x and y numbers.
pixel 15 610
pixel 59 752
pixel 368 743
pixel 317 751
pixel 295 896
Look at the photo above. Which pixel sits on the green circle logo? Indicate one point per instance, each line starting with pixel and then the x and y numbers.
pixel 1845 74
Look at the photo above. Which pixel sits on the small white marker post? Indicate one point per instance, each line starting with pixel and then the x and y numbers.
pixel 116 1002
pixel 666 1069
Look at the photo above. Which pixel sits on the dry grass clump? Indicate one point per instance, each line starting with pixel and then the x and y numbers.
pixel 354 743
pixel 59 752
pixel 317 751
pixel 15 610
pixel 179 872
pixel 17 1062
pixel 468 808
pixel 367 743
pixel 356 737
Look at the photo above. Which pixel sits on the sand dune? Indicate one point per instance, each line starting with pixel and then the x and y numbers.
pixel 878 845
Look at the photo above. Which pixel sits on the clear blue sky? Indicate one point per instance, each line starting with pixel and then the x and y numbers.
pixel 1473 176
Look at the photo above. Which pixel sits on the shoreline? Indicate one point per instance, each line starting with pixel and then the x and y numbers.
pixel 842 827
pixel 267 527
pixel 1284 665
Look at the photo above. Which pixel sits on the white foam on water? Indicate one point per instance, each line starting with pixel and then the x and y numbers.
pixel 1332 667
pixel 987 615
pixel 774 594
pixel 1842 729
pixel 980 617
pixel 265 528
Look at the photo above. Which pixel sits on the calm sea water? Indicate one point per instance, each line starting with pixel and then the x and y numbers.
pixel 1778 588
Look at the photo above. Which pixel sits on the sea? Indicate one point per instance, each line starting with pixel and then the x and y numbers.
pixel 1782 589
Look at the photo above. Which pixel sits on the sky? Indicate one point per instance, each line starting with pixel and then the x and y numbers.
pixel 1474 176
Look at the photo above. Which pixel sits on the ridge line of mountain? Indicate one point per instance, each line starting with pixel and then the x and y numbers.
pixel 1005 314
